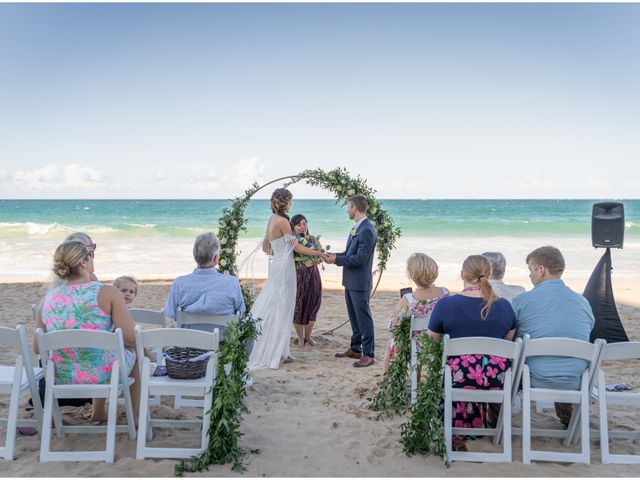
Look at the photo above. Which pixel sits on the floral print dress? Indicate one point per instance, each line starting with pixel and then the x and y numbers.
pixel 69 307
pixel 420 308
pixel 475 372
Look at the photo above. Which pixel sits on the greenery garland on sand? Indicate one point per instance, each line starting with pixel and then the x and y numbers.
pixel 424 432
pixel 392 397
pixel 227 405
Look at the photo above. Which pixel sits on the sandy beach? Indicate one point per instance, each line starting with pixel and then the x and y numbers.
pixel 310 418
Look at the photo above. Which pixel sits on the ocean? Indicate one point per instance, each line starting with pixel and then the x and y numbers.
pixel 153 238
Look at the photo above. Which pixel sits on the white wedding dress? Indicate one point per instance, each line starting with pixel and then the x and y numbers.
pixel 275 306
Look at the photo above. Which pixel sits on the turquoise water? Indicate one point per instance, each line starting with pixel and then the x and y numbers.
pixel 416 218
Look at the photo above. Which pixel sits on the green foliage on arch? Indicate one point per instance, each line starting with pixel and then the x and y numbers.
pixel 341 184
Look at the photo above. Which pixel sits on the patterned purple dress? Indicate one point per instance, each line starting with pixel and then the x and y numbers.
pixel 308 294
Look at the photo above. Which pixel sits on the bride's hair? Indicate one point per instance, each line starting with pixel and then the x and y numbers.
pixel 279 200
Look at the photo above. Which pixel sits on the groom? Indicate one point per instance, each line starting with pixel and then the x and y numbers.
pixel 357 261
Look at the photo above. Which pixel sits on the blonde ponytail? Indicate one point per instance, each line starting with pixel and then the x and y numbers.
pixel 477 269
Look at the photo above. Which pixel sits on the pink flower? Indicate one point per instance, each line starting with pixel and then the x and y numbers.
pixel 70 323
pixel 500 361
pixel 56 358
pixel 477 423
pixel 88 327
pixel 468 360
pixel 83 377
pixel 454 363
pixel 491 372
pixel 476 374
pixel 106 368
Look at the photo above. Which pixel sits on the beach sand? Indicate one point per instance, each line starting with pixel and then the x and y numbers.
pixel 310 418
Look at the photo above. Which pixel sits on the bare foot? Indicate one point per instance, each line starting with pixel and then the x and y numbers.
pixel 288 359
pixel 310 341
pixel 301 342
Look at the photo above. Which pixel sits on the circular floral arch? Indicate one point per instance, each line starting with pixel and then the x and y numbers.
pixel 341 184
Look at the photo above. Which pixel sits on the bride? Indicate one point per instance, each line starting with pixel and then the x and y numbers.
pixel 276 302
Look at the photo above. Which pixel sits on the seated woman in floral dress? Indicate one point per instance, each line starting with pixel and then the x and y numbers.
pixel 82 303
pixel 476 312
pixel 423 272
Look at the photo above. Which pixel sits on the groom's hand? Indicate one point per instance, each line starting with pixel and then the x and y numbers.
pixel 329 258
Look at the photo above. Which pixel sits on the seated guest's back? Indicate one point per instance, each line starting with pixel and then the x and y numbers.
pixel 476 312
pixel 423 271
pixel 552 309
pixel 205 290
pixel 80 303
pixel 498 266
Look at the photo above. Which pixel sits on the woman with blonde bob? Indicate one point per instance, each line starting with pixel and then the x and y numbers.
pixel 476 312
pixel 80 303
pixel 422 270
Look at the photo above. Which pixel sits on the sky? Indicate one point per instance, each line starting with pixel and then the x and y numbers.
pixel 422 100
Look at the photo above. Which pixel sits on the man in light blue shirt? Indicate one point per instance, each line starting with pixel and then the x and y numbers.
pixel 205 290
pixel 552 309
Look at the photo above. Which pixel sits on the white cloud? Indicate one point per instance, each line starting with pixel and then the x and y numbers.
pixel 72 176
pixel 232 179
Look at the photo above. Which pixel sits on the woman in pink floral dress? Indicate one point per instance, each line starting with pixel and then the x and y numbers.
pixel 476 312
pixel 82 303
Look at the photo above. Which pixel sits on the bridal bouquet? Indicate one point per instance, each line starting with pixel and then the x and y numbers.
pixel 314 244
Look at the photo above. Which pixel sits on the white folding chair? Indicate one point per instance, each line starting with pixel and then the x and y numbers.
pixel 15 380
pixel 559 347
pixel 118 385
pixel 417 324
pixel 480 346
pixel 202 387
pixel 616 351
pixel 208 323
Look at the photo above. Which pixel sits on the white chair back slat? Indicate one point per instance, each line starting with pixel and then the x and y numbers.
pixel 481 346
pixel 81 339
pixel 146 315
pixel 419 323
pixel 178 337
pixel 9 337
pixel 559 347
pixel 620 351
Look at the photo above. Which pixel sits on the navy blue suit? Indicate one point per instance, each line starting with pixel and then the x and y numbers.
pixel 357 262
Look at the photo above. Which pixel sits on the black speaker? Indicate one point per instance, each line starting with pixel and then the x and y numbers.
pixel 607 225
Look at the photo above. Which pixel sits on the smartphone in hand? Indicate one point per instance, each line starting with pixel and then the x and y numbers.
pixel 404 291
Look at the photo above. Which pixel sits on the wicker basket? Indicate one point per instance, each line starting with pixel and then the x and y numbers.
pixel 182 363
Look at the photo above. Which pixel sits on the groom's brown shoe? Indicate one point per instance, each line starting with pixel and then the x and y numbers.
pixel 364 362
pixel 349 354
